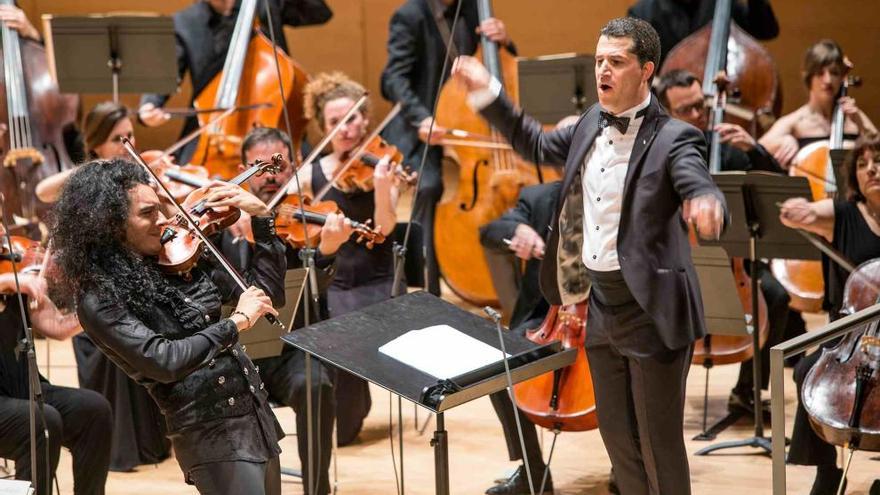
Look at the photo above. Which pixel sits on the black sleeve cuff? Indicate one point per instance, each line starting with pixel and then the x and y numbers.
pixel 263 228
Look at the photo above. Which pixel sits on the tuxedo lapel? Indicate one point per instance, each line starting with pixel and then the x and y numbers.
pixel 582 141
pixel 647 133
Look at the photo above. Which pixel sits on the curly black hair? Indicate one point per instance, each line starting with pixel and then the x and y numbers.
pixel 87 235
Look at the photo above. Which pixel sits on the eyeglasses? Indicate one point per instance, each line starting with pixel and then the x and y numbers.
pixel 118 138
pixel 699 107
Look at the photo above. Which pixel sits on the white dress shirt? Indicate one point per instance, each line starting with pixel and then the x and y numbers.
pixel 605 167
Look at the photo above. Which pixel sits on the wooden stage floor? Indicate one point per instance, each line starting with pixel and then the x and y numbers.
pixel 477 451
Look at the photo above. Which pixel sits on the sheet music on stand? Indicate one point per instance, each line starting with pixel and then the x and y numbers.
pixel 15 487
pixel 264 339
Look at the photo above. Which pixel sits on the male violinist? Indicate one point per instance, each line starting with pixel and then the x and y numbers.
pixel 165 330
pixel 681 93
pixel 284 375
pixel 416 50
pixel 203 33
pixel 633 179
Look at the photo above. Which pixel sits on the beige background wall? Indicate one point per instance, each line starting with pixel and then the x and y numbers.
pixel 354 40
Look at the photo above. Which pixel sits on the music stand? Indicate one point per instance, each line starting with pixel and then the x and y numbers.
pixel 752 200
pixel 104 53
pixel 351 342
pixel 264 339
pixel 724 315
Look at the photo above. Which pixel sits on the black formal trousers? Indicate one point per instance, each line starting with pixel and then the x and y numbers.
pixel 430 192
pixel 640 391
pixel 78 419
pixel 238 478
pixel 285 379
pixel 504 409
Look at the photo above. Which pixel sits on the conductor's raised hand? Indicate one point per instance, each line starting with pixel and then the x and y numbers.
pixel 471 72
pixel 706 214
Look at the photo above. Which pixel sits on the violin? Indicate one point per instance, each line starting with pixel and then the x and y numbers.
pixel 561 400
pixel 358 175
pixel 289 223
pixel 181 247
pixel 841 393
pixel 27 253
pixel 162 164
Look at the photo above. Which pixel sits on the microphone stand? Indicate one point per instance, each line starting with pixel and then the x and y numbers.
pixel 36 403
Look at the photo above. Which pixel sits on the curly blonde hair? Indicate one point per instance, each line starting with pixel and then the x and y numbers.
pixel 329 86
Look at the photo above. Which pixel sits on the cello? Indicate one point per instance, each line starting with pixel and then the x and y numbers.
pixel 840 392
pixel 561 400
pixel 33 117
pixel 803 279
pixel 488 182
pixel 249 77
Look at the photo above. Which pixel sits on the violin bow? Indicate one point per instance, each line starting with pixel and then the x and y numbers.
pixel 194 226
pixel 283 191
pixel 194 134
pixel 359 152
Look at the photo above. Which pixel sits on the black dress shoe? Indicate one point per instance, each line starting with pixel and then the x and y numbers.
pixel 875 488
pixel 518 484
pixel 827 481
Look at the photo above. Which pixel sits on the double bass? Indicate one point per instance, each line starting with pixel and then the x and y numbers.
pixel 731 61
pixel 488 182
pixel 803 279
pixel 249 77
pixel 33 118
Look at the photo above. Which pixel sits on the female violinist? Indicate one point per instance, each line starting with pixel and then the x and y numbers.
pixel 104 127
pixel 363 276
pixel 165 330
pixel 823 71
pixel 852 226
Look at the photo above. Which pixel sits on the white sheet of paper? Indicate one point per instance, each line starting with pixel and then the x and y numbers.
pixel 15 487
pixel 441 351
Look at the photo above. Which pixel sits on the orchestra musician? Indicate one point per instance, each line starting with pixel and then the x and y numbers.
pixel 363 276
pixel 823 70
pixel 681 93
pixel 416 50
pixel 104 127
pixel 523 227
pixel 78 419
pixel 284 375
pixel 675 20
pixel 633 178
pixel 203 32
pixel 165 331
pixel 852 226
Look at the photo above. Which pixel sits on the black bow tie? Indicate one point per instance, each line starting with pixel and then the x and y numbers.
pixel 606 119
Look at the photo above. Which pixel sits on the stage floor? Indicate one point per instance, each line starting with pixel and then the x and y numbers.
pixel 477 453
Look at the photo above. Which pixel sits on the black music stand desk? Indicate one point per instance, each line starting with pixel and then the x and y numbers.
pixel 755 232
pixel 352 342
